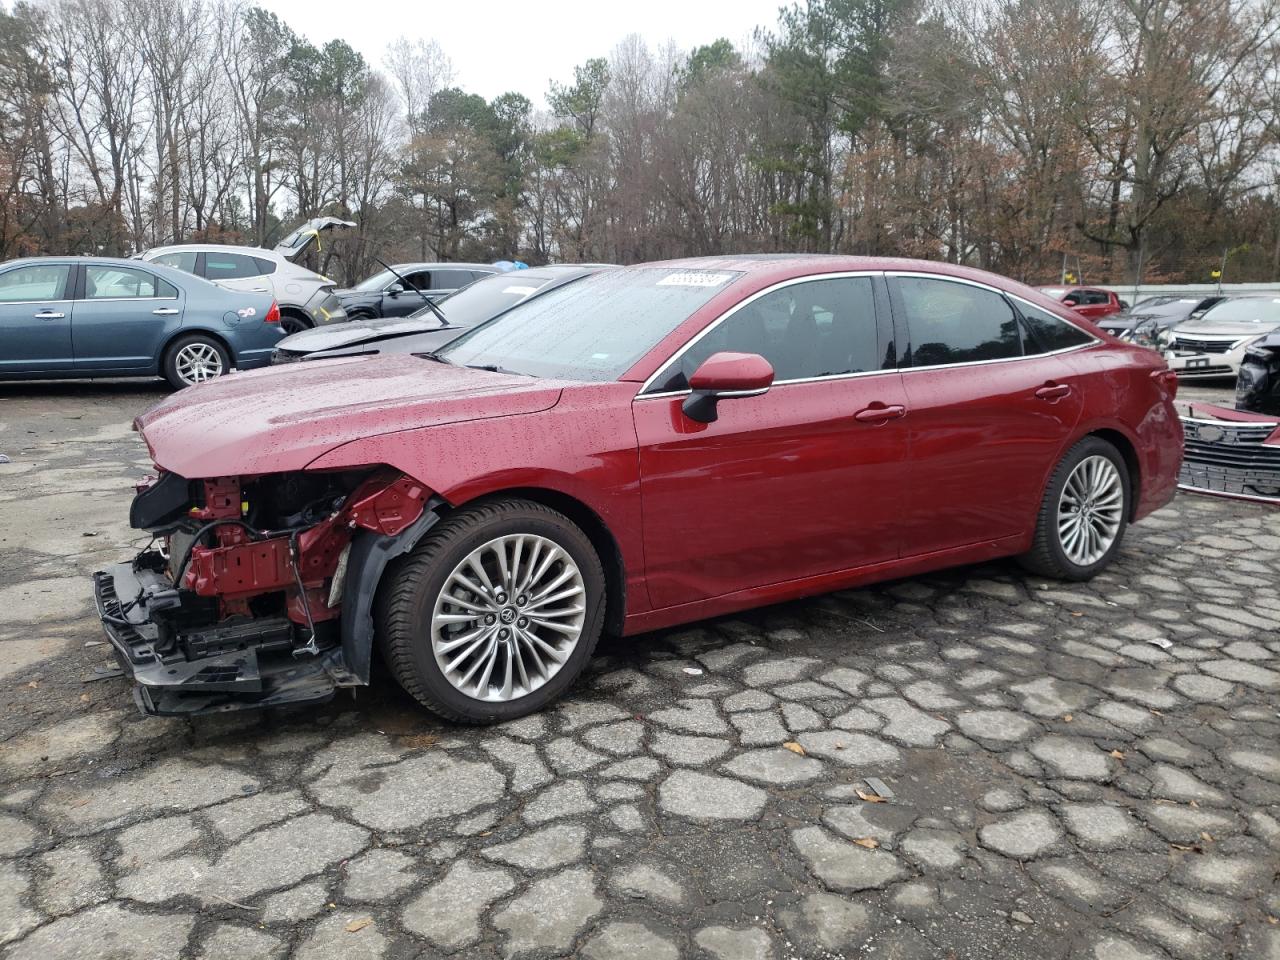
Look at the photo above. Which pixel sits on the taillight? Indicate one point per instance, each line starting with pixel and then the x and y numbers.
pixel 1167 380
pixel 273 315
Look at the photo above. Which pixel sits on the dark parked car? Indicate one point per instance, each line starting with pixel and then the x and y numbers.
pixel 1091 302
pixel 1143 322
pixel 403 289
pixel 423 331
pixel 97 317
pixel 644 447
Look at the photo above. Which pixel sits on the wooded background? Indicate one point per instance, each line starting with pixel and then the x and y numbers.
pixel 1125 139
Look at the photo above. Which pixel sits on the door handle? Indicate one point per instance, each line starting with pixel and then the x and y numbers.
pixel 50 315
pixel 879 413
pixel 165 311
pixel 1053 391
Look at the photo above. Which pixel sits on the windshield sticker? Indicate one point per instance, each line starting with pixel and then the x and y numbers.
pixel 523 291
pixel 694 279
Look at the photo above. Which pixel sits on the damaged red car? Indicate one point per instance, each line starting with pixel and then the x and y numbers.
pixel 649 446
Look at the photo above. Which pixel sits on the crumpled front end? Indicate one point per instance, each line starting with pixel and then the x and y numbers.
pixel 237 602
pixel 1230 453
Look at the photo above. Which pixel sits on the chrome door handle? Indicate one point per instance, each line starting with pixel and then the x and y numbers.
pixel 165 311
pixel 880 413
pixel 50 315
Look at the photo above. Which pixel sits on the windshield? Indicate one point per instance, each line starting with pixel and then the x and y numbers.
pixel 376 282
pixel 593 329
pixel 1262 310
pixel 483 299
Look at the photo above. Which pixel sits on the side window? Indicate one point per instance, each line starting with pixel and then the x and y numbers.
pixel 121 283
pixel 184 260
pixel 957 323
pixel 1094 297
pixel 37 282
pixel 265 267
pixel 1050 333
pixel 481 274
pixel 419 280
pixel 1073 299
pixel 451 279
pixel 230 266
pixel 819 328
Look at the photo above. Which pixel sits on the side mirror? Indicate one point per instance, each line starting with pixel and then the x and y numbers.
pixel 395 290
pixel 725 376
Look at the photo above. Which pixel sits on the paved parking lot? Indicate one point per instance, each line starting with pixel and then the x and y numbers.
pixel 1062 786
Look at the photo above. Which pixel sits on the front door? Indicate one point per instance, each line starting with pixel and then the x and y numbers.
pixel 123 316
pixel 402 300
pixel 804 480
pixel 987 416
pixel 35 318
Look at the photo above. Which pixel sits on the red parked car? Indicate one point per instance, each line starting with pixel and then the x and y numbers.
pixel 1089 302
pixel 646 447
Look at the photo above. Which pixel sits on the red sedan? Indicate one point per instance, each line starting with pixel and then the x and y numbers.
pixel 646 447
pixel 1090 302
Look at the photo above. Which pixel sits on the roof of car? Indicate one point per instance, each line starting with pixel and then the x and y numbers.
pixel 448 266
pixel 216 248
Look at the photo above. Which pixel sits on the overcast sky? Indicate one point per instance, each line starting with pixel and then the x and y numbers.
pixel 501 46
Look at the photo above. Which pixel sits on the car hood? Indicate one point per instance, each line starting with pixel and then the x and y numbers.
pixel 1207 328
pixel 355 332
pixel 281 418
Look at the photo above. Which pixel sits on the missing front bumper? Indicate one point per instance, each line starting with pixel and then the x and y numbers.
pixel 249 664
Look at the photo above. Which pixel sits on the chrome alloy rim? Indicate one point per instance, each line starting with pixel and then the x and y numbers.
pixel 198 362
pixel 1089 510
pixel 508 617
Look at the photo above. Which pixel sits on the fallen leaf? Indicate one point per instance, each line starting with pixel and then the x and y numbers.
pixel 869 842
pixel 794 747
pixel 85 698
pixel 418 740
pixel 1117 754
pixel 871 797
pixel 1076 614
pixel 1273 920
pixel 33 684
pixel 355 926
pixel 1068 718
pixel 1206 836
pixel 1192 803
pixel 839 746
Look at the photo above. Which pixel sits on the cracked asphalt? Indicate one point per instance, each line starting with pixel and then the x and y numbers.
pixel 1062 786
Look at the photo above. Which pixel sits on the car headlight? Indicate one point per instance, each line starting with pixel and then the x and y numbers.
pixel 1145 334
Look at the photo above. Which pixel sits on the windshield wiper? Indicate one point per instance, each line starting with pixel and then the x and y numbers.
pixel 408 286
pixel 492 368
pixel 432 355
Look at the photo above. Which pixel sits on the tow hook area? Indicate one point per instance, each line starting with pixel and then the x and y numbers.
pixel 234 616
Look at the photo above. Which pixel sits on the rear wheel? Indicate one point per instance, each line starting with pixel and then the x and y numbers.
pixel 1084 513
pixel 292 323
pixel 495 613
pixel 194 359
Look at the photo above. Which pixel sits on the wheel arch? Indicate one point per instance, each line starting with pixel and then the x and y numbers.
pixel 292 310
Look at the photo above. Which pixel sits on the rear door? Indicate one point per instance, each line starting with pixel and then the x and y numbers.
pixel 988 413
pixel 123 315
pixel 35 318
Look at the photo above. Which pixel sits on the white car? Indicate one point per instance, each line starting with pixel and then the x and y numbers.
pixel 306 298
pixel 1213 345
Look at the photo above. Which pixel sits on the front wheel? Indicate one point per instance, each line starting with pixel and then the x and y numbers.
pixel 495 613
pixel 1084 513
pixel 195 359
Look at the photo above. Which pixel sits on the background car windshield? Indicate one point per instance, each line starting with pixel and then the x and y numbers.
pixel 593 329
pixel 483 299
pixel 376 282
pixel 1248 310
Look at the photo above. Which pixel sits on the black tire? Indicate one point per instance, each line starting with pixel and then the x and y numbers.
pixel 410 588
pixel 169 366
pixel 1047 555
pixel 292 323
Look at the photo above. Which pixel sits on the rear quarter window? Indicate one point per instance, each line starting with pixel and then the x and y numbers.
pixel 1049 333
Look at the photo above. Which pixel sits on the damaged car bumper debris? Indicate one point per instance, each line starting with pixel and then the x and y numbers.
pixel 1232 453
pixel 237 603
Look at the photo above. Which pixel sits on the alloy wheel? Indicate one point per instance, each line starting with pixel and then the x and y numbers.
pixel 508 617
pixel 1090 509
pixel 198 362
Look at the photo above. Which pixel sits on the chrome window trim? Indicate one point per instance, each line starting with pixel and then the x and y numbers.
pixel 122 299
pixel 792 281
pixel 20 303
